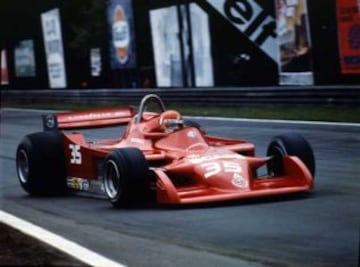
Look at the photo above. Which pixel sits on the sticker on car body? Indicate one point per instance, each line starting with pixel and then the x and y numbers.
pixel 78 183
pixel 197 159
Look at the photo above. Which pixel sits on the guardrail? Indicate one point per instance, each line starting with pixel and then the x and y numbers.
pixel 209 96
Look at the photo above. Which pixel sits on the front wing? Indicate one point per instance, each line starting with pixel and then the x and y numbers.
pixel 297 179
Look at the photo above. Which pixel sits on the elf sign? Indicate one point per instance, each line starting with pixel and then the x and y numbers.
pixel 252 20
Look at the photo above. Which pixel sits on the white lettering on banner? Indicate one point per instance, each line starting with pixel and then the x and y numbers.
pixel 75 154
pixel 54 48
pixel 251 19
pixel 121 34
pixel 95 62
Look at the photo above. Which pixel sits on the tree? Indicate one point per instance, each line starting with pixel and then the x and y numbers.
pixel 88 27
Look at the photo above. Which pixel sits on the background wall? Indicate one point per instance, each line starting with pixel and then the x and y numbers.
pixel 85 27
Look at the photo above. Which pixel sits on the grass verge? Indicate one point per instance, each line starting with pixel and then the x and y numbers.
pixel 18 249
pixel 321 112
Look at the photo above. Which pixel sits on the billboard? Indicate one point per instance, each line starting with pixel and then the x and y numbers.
pixel 25 59
pixel 166 46
pixel 95 62
pixel 122 41
pixel 53 43
pixel 252 20
pixel 171 47
pixel 292 22
pixel 203 67
pixel 4 68
pixel 348 18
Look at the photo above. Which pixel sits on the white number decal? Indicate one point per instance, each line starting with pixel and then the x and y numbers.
pixel 232 167
pixel 75 154
pixel 213 168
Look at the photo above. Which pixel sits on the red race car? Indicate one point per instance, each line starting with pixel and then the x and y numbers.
pixel 160 157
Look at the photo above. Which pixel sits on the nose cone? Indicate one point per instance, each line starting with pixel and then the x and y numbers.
pixel 224 174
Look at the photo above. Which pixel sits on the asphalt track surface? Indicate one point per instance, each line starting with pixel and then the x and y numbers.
pixel 316 229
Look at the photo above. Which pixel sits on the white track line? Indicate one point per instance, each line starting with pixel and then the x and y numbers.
pixel 71 248
pixel 42 111
pixel 276 121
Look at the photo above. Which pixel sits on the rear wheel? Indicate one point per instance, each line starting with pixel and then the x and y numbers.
pixel 126 177
pixel 40 164
pixel 293 145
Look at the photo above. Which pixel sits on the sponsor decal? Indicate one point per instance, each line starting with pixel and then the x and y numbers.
pixel 192 134
pixel 196 159
pixel 94 116
pixel 137 141
pixel 240 181
pixel 78 183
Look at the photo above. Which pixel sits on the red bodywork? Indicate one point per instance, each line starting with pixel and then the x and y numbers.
pixel 188 165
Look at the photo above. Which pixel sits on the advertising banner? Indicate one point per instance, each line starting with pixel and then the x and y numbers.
pixel 201 46
pixel 252 20
pixel 348 17
pixel 4 68
pixel 166 46
pixel 294 42
pixel 95 62
pixel 169 42
pixel 122 41
pixel 25 59
pixel 53 42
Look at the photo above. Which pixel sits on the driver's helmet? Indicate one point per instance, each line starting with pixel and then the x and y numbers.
pixel 170 120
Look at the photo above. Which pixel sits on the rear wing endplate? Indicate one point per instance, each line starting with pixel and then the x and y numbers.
pixel 87 119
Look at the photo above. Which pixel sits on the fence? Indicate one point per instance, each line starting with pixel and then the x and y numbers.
pixel 204 96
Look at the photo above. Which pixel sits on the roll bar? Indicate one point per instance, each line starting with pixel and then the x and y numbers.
pixel 146 99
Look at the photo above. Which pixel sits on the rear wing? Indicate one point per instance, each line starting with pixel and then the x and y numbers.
pixel 88 119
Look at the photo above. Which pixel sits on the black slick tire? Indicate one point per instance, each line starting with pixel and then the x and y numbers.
pixel 40 164
pixel 291 144
pixel 126 177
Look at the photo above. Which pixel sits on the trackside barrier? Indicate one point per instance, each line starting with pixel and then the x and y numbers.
pixel 210 96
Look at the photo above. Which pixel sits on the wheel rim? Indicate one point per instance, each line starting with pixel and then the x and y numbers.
pixel 276 165
pixel 23 166
pixel 112 179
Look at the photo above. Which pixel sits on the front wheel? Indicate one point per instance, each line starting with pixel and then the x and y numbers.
pixel 293 145
pixel 126 176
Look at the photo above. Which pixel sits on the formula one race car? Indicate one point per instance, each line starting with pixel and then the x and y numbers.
pixel 160 157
